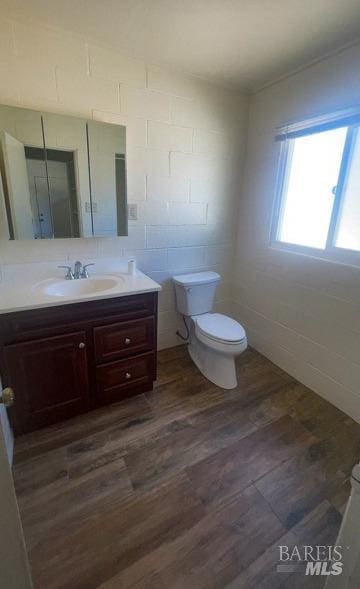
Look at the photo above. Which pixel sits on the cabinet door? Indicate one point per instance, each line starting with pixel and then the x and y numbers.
pixel 50 380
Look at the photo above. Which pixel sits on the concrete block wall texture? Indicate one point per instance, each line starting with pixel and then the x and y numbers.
pixel 185 148
pixel 186 171
pixel 302 312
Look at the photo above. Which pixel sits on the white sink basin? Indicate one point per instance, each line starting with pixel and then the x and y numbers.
pixel 80 287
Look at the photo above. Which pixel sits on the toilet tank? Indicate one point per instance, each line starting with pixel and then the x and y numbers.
pixel 195 292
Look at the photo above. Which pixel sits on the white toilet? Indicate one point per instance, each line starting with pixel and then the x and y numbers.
pixel 215 339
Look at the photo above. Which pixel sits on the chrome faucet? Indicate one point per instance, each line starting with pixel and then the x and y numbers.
pixel 69 274
pixel 80 271
pixel 84 273
pixel 77 270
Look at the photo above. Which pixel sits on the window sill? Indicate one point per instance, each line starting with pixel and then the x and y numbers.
pixel 334 255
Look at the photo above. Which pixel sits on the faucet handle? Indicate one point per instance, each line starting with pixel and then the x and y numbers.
pixel 84 272
pixel 69 275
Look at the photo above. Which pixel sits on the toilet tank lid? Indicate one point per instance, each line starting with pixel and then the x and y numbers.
pixel 197 278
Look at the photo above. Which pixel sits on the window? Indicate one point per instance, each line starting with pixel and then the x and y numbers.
pixel 318 204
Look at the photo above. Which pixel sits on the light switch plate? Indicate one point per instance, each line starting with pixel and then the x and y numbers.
pixel 132 212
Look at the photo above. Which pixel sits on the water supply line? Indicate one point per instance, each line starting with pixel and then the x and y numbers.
pixel 186 338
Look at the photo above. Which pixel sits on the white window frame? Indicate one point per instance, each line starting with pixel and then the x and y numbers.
pixel 285 136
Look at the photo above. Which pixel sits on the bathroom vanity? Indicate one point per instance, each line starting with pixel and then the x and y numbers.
pixel 68 342
pixel 65 359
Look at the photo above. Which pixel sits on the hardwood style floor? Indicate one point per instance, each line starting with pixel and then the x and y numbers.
pixel 189 486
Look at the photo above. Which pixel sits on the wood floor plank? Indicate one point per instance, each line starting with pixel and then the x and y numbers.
pixel 262 572
pixel 257 379
pixel 235 467
pixel 173 364
pixel 186 487
pixel 182 420
pixel 84 556
pixel 40 472
pixel 67 432
pixel 212 552
pixel 339 451
pixel 304 484
pixel 192 440
pixel 77 500
pixel 316 414
pixel 320 527
pixel 276 404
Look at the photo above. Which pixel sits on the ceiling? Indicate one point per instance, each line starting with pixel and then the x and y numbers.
pixel 241 43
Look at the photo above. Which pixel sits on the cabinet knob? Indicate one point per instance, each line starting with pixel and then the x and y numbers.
pixel 127 375
pixel 81 345
pixel 7 397
pixel 127 341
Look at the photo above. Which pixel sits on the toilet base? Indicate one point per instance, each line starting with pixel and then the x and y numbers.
pixel 216 366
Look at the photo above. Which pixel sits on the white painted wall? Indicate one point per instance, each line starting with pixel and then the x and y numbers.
pixel 301 312
pixel 185 142
pixel 14 566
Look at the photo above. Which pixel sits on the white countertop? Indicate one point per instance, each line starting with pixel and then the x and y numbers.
pixel 22 285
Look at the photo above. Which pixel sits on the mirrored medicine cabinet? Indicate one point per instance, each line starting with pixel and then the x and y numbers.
pixel 61 176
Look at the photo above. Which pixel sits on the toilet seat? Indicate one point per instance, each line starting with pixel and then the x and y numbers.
pixel 219 328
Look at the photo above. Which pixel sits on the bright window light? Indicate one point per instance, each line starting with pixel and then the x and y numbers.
pixel 318 199
pixel 309 194
pixel 348 229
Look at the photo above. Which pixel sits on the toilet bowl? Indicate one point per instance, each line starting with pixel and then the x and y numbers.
pixel 215 339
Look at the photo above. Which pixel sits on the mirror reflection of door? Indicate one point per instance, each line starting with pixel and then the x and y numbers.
pixel 18 203
pixel 63 193
pixel 53 193
pixel 39 193
pixel 41 208
pixel 42 195
pixel 68 170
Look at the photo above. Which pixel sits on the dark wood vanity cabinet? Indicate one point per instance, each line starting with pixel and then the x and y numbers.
pixel 65 360
pixel 49 377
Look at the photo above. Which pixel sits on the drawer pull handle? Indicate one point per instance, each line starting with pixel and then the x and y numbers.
pixel 127 375
pixel 81 345
pixel 127 341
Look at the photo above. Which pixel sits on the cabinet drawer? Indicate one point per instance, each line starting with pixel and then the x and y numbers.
pixel 124 339
pixel 122 378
